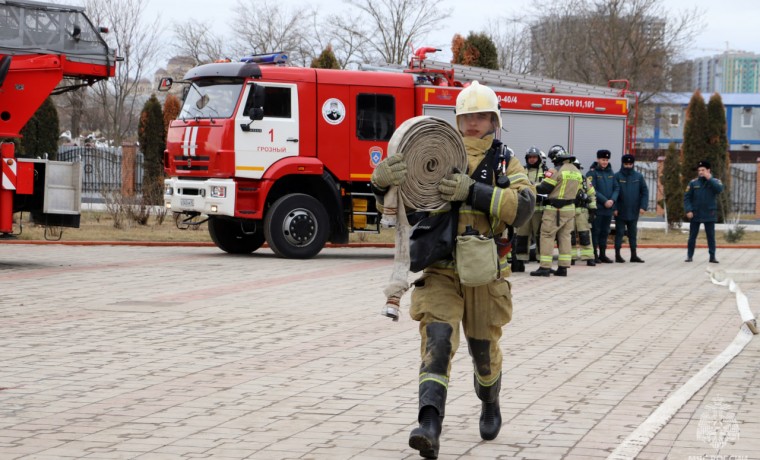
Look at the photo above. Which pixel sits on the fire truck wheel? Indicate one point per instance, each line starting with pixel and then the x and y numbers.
pixel 229 236
pixel 296 226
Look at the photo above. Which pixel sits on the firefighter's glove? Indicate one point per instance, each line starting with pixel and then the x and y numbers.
pixel 456 187
pixel 526 204
pixel 391 171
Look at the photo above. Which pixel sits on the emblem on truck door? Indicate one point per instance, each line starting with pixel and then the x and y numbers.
pixel 333 111
pixel 375 155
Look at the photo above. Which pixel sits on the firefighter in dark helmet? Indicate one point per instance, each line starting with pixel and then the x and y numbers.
pixel 536 168
pixel 561 185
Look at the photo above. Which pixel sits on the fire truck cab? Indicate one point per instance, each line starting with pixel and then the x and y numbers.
pixel 278 154
pixel 284 155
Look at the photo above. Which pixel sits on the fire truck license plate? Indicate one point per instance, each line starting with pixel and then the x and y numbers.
pixel 186 202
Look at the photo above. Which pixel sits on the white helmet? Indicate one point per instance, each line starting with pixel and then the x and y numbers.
pixel 478 98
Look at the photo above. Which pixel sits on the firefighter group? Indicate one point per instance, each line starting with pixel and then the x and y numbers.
pixel 497 192
pixel 576 212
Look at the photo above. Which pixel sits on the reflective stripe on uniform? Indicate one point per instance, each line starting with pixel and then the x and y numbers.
pixel 517 178
pixel 496 198
pixel 487 383
pixel 565 257
pixel 428 377
pixel 568 176
pixel 569 207
pixel 504 263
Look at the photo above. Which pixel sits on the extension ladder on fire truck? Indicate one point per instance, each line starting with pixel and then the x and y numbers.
pixel 33 28
pixel 41 44
pixel 501 78
pixel 520 81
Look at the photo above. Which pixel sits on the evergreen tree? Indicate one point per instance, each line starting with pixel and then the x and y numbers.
pixel 476 50
pixel 717 151
pixel 172 107
pixel 326 60
pixel 672 187
pixel 695 138
pixel 152 137
pixel 40 134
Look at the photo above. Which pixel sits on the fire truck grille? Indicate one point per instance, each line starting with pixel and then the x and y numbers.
pixel 191 163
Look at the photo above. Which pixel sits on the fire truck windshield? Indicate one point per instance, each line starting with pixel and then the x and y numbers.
pixel 211 99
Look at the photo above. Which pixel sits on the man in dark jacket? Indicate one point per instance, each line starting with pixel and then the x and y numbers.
pixel 632 202
pixel 607 189
pixel 701 206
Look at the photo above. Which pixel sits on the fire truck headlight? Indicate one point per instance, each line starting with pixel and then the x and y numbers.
pixel 168 205
pixel 214 208
pixel 218 191
pixel 168 190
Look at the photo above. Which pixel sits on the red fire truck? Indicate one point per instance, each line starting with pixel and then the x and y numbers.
pixel 284 154
pixel 42 44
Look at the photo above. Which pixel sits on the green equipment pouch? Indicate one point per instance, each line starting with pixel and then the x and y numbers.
pixel 477 260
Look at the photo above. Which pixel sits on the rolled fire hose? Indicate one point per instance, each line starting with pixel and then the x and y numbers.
pixel 432 149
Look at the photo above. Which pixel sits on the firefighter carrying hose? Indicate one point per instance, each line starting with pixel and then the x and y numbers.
pixel 561 185
pixel 535 168
pixel 495 192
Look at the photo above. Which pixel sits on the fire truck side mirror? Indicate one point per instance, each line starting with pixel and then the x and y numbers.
pixel 256 113
pixel 257 108
pixel 165 84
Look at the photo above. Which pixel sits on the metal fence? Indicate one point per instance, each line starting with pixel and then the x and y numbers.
pixel 101 168
pixel 743 188
pixel 649 170
pixel 743 185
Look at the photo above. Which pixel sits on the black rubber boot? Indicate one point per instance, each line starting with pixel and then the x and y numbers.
pixel 603 256
pixel 490 412
pixel 561 271
pixel 518 266
pixel 542 271
pixel 636 258
pixel 426 437
pixel 572 262
pixel 591 263
pixel 618 258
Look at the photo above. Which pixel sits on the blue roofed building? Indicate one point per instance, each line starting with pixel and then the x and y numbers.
pixel 662 117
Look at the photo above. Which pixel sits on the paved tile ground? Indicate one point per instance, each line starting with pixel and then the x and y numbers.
pixel 180 353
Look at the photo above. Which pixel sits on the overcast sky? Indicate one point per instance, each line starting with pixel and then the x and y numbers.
pixel 732 22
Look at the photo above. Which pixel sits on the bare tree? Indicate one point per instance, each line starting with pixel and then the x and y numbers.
pixel 597 41
pixel 511 35
pixel 71 110
pixel 391 27
pixel 350 43
pixel 266 27
pixel 136 41
pixel 198 40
